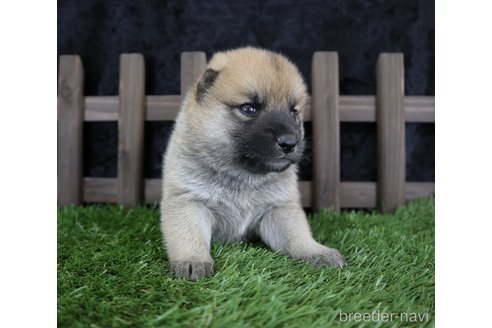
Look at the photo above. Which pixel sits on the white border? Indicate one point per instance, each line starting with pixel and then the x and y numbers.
pixel 463 163
pixel 28 164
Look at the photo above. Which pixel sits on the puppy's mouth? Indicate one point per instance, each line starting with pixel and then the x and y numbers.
pixel 279 164
pixel 264 166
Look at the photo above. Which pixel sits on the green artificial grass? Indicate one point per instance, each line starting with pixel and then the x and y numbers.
pixel 112 271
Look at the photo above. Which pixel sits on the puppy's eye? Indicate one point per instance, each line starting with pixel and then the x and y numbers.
pixel 248 109
pixel 294 111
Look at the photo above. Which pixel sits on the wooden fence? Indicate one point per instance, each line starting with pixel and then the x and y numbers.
pixel 390 109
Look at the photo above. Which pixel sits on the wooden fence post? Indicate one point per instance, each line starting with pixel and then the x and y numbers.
pixel 70 124
pixel 193 65
pixel 131 129
pixel 326 131
pixel 390 115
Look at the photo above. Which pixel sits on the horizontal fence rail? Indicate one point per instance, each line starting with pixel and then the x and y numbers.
pixel 390 109
pixel 352 194
pixel 418 109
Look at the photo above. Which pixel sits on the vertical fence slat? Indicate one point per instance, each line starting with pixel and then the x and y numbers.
pixel 131 129
pixel 326 131
pixel 390 116
pixel 193 65
pixel 70 124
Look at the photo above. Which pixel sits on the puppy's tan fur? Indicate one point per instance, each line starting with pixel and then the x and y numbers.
pixel 207 194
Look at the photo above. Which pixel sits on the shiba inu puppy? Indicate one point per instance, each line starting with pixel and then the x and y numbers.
pixel 230 166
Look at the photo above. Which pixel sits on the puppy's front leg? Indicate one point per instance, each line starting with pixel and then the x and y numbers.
pixel 187 228
pixel 285 229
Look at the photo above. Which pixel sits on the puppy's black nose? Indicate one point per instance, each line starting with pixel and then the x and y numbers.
pixel 287 142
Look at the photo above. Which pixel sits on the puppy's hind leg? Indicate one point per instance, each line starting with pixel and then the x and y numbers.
pixel 285 229
pixel 187 229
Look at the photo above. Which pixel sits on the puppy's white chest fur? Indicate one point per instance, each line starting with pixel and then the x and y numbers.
pixel 232 224
pixel 237 205
pixel 236 214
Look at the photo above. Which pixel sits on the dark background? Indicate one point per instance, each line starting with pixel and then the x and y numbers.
pixel 99 31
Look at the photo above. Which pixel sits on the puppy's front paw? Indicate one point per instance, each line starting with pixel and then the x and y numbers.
pixel 192 270
pixel 326 257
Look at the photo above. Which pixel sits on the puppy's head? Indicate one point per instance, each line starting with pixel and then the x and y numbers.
pixel 251 101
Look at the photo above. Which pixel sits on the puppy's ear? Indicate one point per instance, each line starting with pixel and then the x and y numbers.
pixel 205 83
